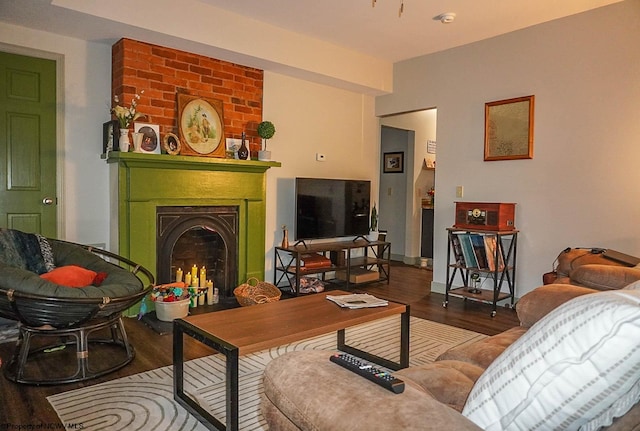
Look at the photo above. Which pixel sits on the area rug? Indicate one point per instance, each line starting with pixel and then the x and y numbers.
pixel 145 401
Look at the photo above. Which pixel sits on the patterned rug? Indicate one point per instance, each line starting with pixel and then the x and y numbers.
pixel 145 401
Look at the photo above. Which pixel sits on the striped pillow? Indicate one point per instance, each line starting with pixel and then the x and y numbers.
pixel 633 286
pixel 578 368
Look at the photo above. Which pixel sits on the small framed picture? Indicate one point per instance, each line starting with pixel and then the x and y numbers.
pixel 232 145
pixel 393 163
pixel 150 137
pixel 171 144
pixel 110 136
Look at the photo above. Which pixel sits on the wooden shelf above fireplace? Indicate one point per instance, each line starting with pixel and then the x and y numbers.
pixel 188 162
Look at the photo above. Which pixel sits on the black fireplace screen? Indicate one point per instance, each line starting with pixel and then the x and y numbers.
pixel 201 237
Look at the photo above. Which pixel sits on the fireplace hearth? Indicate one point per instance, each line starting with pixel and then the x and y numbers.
pixel 201 236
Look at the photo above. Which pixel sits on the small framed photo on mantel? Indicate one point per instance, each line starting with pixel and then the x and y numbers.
pixel 171 144
pixel 150 139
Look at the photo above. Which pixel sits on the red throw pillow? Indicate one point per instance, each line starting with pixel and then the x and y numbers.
pixel 100 277
pixel 74 276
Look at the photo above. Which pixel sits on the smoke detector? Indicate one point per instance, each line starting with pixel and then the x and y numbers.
pixel 446 17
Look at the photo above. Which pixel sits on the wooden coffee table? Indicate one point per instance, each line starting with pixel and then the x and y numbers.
pixel 241 331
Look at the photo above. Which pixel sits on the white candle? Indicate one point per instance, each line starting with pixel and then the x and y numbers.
pixel 203 277
pixel 201 297
pixel 209 292
pixel 187 279
pixel 179 274
pixel 194 272
pixel 194 281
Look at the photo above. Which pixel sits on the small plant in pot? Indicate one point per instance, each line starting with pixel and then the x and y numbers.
pixel 266 130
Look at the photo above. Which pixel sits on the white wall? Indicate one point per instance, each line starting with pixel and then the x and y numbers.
pixel 198 27
pixel 581 187
pixel 312 118
pixel 84 70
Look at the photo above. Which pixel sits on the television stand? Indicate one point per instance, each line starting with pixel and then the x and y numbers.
pixel 339 270
pixel 361 237
pixel 301 242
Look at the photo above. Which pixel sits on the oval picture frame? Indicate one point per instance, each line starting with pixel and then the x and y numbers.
pixel 201 126
pixel 171 144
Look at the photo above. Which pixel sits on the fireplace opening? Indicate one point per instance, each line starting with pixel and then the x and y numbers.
pixel 201 236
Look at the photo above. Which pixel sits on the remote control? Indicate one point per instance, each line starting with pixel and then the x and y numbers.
pixel 365 369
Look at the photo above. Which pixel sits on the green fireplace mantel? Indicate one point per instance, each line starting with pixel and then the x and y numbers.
pixel 141 182
pixel 189 162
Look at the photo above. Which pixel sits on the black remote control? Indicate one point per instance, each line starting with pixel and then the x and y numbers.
pixel 365 369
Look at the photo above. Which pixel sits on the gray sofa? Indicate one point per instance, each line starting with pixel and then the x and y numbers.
pixel 574 363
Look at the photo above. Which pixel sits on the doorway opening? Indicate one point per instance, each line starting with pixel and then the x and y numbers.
pixel 404 211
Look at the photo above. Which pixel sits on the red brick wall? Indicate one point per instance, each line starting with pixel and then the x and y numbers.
pixel 164 72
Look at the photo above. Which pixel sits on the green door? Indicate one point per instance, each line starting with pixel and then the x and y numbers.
pixel 28 144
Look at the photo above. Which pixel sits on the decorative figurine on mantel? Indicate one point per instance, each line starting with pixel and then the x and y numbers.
pixel 285 237
pixel 243 151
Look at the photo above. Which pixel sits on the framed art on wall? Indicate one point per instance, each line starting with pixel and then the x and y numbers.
pixel 201 126
pixel 508 129
pixel 150 140
pixel 393 163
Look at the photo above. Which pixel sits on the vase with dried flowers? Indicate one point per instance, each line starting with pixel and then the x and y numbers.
pixel 125 117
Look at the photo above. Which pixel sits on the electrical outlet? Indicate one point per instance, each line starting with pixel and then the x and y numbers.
pixel 320 157
pixel 459 191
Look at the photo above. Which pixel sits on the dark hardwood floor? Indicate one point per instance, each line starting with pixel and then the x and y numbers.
pixel 23 405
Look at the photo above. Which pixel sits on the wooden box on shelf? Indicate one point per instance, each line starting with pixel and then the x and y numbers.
pixel 358 275
pixel 485 216
pixel 314 261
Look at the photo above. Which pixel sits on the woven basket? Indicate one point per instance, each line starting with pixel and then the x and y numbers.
pixel 256 292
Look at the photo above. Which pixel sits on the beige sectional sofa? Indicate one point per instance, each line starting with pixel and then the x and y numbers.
pixel 574 363
pixel 589 267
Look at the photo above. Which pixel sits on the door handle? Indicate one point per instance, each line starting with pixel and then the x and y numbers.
pixel 47 201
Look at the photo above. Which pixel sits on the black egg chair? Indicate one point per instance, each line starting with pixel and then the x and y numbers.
pixel 71 317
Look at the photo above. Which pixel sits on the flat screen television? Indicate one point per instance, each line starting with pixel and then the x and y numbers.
pixel 331 208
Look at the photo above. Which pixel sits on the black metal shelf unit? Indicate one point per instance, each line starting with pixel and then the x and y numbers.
pixel 496 262
pixel 374 264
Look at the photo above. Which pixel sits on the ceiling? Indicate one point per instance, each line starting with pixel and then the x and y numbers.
pixel 380 32
pixel 355 24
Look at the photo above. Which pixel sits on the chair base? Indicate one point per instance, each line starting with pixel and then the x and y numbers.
pixel 15 370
